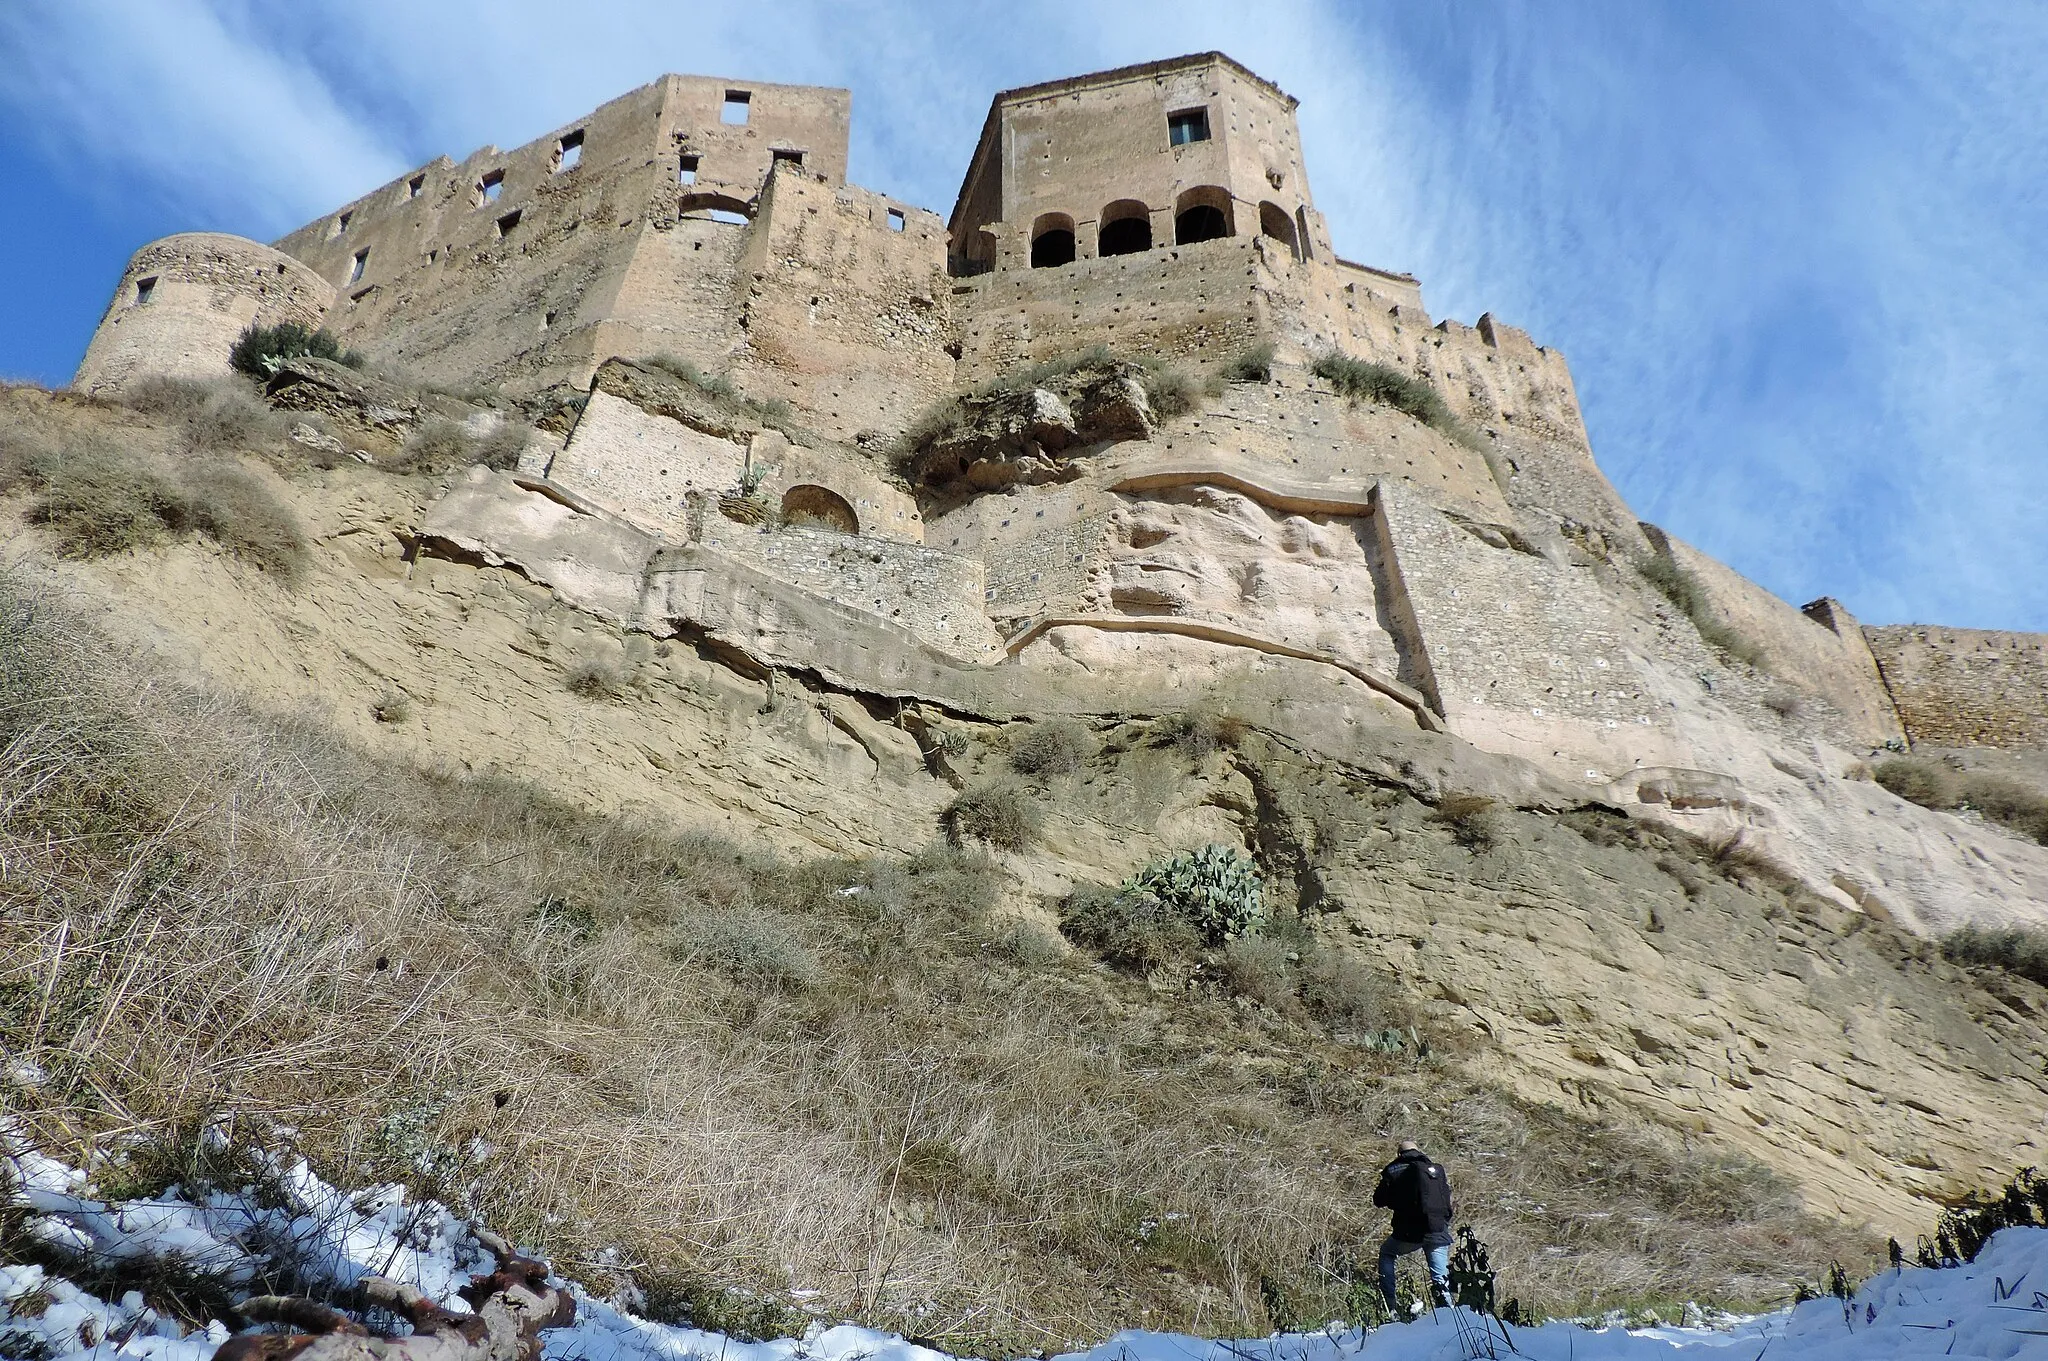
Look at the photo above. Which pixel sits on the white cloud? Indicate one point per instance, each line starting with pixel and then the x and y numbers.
pixel 168 98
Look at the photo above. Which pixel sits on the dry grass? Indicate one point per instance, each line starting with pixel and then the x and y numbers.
pixel 997 812
pixel 2019 950
pixel 1685 591
pixel 1938 785
pixel 1058 746
pixel 844 1075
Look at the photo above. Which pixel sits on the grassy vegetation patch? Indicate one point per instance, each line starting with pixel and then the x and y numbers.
pixel 2019 950
pixel 1938 785
pixel 772 412
pixel 1685 591
pixel 99 498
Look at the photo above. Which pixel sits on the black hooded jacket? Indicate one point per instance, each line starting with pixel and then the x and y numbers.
pixel 1419 1194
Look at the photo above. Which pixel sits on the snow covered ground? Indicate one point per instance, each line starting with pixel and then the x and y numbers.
pixel 1996 1307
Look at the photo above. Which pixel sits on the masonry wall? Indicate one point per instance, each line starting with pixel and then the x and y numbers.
pixel 843 306
pixel 1177 302
pixel 933 596
pixel 182 302
pixel 643 466
pixel 1966 687
pixel 1068 150
pixel 1804 654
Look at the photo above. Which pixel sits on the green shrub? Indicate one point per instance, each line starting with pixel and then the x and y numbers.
pixel 997 812
pixel 1057 747
pixel 261 350
pixel 1168 390
pixel 682 1300
pixel 1918 780
pixel 1252 364
pixel 1135 932
pixel 2019 950
pixel 1216 889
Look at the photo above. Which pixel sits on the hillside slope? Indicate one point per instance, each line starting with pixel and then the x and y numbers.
pixel 887 1077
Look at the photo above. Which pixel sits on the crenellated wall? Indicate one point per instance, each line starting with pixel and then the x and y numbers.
pixel 1966 687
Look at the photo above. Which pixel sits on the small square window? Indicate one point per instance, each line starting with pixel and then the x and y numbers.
pixel 1189 125
pixel 143 289
pixel 490 186
pixel 895 219
pixel 569 152
pixel 357 265
pixel 415 185
pixel 508 222
pixel 738 104
pixel 686 170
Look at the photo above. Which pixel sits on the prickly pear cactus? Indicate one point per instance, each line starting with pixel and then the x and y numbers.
pixel 1216 888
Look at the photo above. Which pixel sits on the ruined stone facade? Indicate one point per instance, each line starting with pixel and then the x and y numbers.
pixel 1477 575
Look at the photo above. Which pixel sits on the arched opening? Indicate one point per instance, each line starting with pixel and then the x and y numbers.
pixel 715 207
pixel 1126 228
pixel 1052 241
pixel 1274 222
pixel 814 507
pixel 1201 214
pixel 1301 245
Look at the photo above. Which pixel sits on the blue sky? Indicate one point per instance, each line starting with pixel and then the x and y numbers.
pixel 1797 253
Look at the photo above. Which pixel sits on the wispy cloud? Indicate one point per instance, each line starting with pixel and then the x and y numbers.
pixel 1795 253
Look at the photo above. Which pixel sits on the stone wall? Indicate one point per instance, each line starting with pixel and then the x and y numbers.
pixel 1174 302
pixel 182 302
pixel 843 307
pixel 1966 687
pixel 1109 137
pixel 643 466
pixel 932 596
pixel 1808 657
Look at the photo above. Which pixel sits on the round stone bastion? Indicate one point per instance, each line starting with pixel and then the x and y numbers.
pixel 184 299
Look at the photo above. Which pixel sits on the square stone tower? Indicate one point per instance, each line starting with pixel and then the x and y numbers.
pixel 1166 153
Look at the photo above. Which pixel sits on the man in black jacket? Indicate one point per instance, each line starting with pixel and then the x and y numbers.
pixel 1419 1194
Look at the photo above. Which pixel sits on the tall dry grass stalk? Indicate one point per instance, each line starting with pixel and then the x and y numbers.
pixel 607 1035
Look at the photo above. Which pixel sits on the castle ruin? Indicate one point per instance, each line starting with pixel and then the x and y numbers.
pixel 1339 562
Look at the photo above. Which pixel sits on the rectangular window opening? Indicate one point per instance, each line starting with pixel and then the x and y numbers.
pixel 508 222
pixel 415 185
pixel 895 219
pixel 340 224
pixel 1189 125
pixel 143 289
pixel 686 171
pixel 795 158
pixel 569 152
pixel 738 103
pixel 357 265
pixel 547 321
pixel 490 186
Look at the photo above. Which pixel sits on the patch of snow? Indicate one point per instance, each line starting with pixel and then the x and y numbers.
pixel 1995 1308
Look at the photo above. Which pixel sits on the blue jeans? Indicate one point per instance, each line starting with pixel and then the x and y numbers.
pixel 1439 1269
